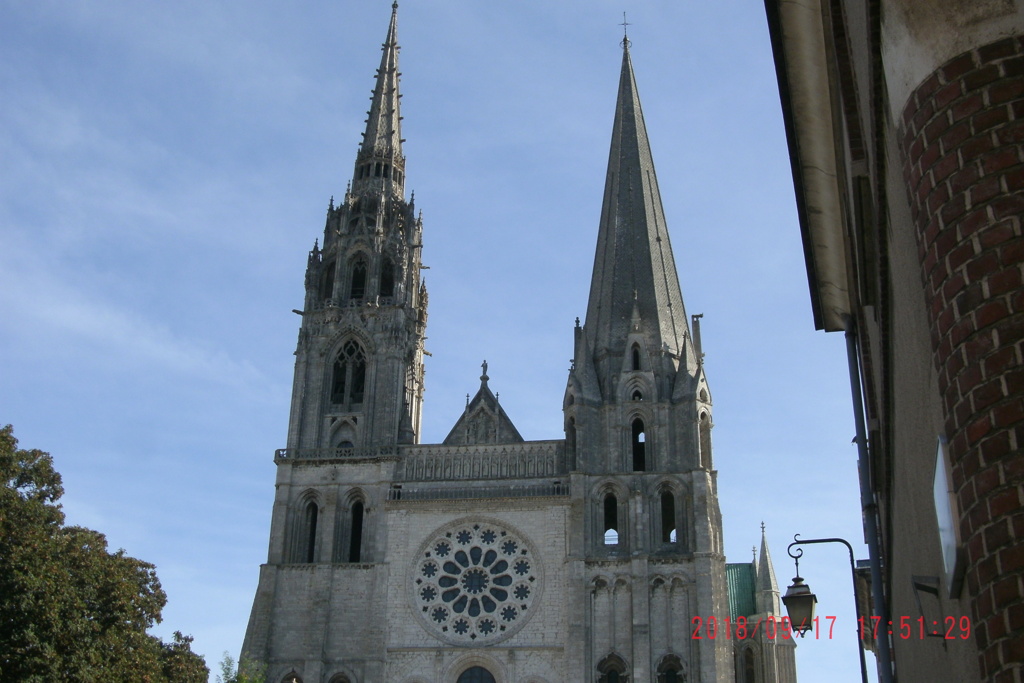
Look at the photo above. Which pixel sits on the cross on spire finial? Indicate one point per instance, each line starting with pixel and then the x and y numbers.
pixel 762 528
pixel 625 32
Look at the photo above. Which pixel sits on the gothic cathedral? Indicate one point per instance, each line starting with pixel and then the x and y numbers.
pixel 487 558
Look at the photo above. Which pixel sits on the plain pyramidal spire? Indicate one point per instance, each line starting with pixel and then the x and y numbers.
pixel 633 265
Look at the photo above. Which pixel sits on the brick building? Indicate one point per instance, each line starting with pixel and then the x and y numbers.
pixel 905 122
pixel 486 557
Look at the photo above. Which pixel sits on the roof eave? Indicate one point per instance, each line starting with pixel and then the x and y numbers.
pixel 801 63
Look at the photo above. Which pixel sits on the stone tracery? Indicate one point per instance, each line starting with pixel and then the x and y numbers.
pixel 475 582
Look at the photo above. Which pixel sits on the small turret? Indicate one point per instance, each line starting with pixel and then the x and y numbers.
pixel 767 586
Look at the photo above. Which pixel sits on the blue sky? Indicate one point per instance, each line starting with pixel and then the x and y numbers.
pixel 167 167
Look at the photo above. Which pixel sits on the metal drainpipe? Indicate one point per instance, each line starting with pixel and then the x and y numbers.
pixel 869 509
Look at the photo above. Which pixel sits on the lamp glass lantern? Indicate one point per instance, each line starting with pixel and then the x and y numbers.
pixel 800 603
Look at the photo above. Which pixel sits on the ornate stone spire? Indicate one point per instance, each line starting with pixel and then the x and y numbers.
pixel 380 164
pixel 634 269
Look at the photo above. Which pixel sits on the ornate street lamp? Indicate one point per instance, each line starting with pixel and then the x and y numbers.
pixel 800 601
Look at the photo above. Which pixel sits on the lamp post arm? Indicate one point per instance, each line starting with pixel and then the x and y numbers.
pixel 853 575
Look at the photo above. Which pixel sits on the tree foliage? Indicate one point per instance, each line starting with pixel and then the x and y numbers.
pixel 70 610
pixel 246 672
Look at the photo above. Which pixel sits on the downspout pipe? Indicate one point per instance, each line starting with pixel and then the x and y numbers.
pixel 868 506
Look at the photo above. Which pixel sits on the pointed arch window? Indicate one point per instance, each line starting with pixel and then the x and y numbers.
pixel 387 277
pixel 570 442
pixel 668 517
pixel 639 446
pixel 704 427
pixel 611 520
pixel 327 287
pixel 749 668
pixel 348 381
pixel 355 543
pixel 612 670
pixel 670 670
pixel 357 283
pixel 636 357
pixel 307 533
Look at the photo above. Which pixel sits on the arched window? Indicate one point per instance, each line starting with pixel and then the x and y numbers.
pixel 327 287
pixel 637 396
pixel 668 517
pixel 291 678
pixel 349 377
pixel 749 667
pixel 355 543
pixel 612 670
pixel 636 357
pixel 312 512
pixel 476 674
pixel 357 286
pixel 570 442
pixel 639 440
pixel 611 520
pixel 705 440
pixel 387 278
pixel 670 670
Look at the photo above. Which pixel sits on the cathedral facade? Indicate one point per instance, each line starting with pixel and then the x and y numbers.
pixel 593 557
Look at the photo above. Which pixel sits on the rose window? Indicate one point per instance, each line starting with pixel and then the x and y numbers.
pixel 475 583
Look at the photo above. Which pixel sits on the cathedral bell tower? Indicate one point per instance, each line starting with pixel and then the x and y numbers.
pixel 637 413
pixel 359 367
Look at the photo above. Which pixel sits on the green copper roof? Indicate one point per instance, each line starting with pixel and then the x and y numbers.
pixel 741 578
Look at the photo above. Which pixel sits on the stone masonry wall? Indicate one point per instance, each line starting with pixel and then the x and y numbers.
pixel 963 144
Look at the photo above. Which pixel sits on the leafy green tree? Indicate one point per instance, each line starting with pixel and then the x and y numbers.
pixel 70 610
pixel 246 672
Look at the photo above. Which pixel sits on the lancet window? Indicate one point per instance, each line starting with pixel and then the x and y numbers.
pixel 668 517
pixel 387 277
pixel 357 282
pixel 355 541
pixel 639 446
pixel 611 520
pixel 327 288
pixel 348 381
pixel 304 543
pixel 747 671
pixel 704 428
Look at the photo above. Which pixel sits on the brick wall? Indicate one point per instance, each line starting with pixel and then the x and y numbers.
pixel 963 144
